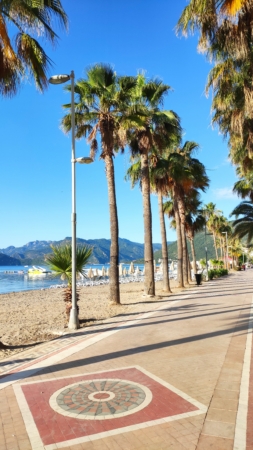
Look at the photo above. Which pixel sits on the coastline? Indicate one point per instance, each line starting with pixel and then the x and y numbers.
pixel 30 317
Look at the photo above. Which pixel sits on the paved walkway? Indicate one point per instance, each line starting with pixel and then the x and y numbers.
pixel 179 376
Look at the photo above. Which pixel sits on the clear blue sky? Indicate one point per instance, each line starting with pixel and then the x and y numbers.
pixel 35 182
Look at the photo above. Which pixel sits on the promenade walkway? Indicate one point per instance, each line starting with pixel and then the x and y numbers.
pixel 179 376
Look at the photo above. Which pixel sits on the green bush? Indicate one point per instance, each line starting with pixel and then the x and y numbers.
pixel 220 264
pixel 211 274
pixel 202 262
pixel 216 273
pixel 216 264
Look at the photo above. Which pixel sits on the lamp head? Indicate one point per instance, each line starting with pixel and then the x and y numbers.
pixel 84 160
pixel 59 79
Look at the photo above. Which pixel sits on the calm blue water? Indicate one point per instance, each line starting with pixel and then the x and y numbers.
pixel 10 282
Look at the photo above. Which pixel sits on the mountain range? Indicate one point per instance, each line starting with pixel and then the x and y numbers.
pixel 36 251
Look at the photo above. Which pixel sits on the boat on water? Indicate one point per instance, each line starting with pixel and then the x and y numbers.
pixel 37 270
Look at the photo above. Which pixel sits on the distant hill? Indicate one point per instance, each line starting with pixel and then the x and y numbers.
pixel 6 260
pixel 199 241
pixel 35 252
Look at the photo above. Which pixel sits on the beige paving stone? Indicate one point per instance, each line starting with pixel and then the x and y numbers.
pixel 221 415
pixel 214 443
pixel 230 385
pixel 226 394
pixel 220 429
pixel 224 403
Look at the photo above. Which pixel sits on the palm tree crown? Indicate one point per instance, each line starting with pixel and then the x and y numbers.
pixel 32 19
pixel 243 226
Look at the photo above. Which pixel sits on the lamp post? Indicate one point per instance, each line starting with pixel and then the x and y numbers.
pixel 60 79
pixel 204 211
pixel 226 233
pixel 230 263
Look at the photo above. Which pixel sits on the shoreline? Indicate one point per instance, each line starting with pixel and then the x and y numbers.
pixel 36 316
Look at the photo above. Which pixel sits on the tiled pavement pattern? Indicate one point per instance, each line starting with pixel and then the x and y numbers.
pixel 99 399
pixel 191 352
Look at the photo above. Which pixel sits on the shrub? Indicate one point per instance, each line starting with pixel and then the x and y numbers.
pixel 211 274
pixel 220 264
pixel 202 262
pixel 214 263
pixel 216 273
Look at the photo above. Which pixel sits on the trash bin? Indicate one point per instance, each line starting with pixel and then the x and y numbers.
pixel 198 278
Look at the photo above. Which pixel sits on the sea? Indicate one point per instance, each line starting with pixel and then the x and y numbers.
pixel 16 282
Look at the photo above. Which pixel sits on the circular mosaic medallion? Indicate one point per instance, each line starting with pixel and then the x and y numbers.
pixel 101 399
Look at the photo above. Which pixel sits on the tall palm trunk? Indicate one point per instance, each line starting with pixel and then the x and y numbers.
pixel 166 282
pixel 181 211
pixel 149 279
pixel 114 229
pixel 187 258
pixel 221 254
pixel 189 269
pixel 180 278
pixel 191 239
pixel 215 245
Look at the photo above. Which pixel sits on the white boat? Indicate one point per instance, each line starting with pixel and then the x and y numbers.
pixel 37 270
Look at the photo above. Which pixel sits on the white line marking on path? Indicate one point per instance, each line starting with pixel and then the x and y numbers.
pixel 240 440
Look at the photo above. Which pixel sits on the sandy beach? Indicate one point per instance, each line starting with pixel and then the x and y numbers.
pixel 30 317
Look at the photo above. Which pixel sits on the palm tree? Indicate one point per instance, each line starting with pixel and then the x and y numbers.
pixel 232 107
pixel 215 22
pixel 244 186
pixel 60 261
pixel 156 129
pixel 222 229
pixel 21 54
pixel 185 175
pixel 194 222
pixel 212 216
pixel 170 208
pixel 102 108
pixel 160 187
pixel 243 226
pixel 227 40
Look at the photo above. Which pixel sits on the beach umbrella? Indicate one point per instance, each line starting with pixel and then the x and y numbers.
pixel 108 272
pixel 131 268
pixel 120 270
pixel 172 266
pixel 154 266
pixel 90 273
pixel 103 273
pixel 124 272
pixel 137 272
pixel 96 273
pixel 143 272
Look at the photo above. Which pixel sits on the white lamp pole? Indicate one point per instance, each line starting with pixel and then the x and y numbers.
pixel 73 318
pixel 60 79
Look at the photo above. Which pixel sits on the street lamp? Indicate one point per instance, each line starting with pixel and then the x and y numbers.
pixel 226 233
pixel 204 212
pixel 60 79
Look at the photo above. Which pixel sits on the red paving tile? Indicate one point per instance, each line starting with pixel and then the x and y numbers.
pixel 54 427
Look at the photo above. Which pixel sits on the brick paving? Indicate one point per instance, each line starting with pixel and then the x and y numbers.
pixel 179 376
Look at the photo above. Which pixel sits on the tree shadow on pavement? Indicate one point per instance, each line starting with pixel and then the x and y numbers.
pixel 238 326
